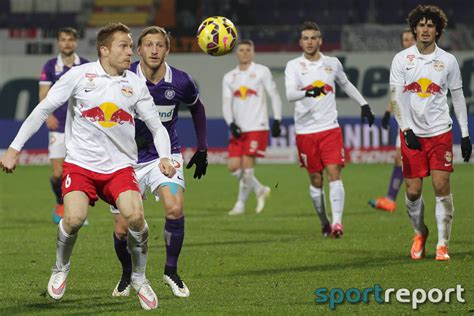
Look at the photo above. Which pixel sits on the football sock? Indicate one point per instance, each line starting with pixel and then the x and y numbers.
pixel 138 247
pixel 174 237
pixel 336 196
pixel 56 187
pixel 395 183
pixel 319 203
pixel 65 244
pixel 123 256
pixel 237 173
pixel 416 210
pixel 256 185
pixel 245 185
pixel 444 218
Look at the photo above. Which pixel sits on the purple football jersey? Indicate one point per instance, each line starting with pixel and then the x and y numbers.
pixel 52 70
pixel 175 88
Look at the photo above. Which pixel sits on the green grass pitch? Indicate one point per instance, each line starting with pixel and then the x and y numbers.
pixel 269 263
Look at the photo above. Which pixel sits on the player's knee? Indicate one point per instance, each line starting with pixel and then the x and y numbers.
pixel 136 220
pixel 233 168
pixel 57 174
pixel 120 231
pixel 174 211
pixel 73 223
pixel 441 188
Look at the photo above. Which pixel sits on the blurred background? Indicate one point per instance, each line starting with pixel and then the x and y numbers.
pixel 363 34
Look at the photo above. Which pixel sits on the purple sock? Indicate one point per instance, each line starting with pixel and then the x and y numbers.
pixel 56 186
pixel 395 183
pixel 174 236
pixel 123 255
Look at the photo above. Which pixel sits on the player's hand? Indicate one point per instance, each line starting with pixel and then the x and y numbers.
pixel 235 130
pixel 466 148
pixel 200 160
pixel 386 120
pixel 166 167
pixel 276 130
pixel 314 92
pixel 52 122
pixel 367 113
pixel 10 160
pixel 411 140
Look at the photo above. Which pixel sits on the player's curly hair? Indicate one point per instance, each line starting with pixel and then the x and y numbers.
pixel 105 34
pixel 308 25
pixel 428 12
pixel 155 30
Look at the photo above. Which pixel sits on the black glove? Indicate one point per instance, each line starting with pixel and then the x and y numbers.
pixel 466 148
pixel 410 140
pixel 276 130
pixel 386 120
pixel 235 130
pixel 200 160
pixel 367 113
pixel 314 92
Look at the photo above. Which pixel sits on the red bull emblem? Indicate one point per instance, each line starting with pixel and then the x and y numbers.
pixel 424 87
pixel 448 157
pixel 320 84
pixel 244 92
pixel 438 65
pixel 328 69
pixel 108 115
pixel 127 91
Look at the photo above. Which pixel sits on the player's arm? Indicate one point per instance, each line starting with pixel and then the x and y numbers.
pixel 272 91
pixel 58 94
pixel 227 108
pixel 198 114
pixel 45 83
pixel 292 84
pixel 351 91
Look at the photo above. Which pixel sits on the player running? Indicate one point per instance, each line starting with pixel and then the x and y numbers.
pixel 244 107
pixel 310 83
pixel 100 151
pixel 169 87
pixel 420 77
pixel 387 203
pixel 53 69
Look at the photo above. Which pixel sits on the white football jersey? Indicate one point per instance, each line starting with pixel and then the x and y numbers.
pixel 100 129
pixel 244 98
pixel 425 80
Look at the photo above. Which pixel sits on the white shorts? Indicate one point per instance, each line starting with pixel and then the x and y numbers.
pixel 56 147
pixel 150 177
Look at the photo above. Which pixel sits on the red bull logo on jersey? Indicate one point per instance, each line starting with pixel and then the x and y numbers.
pixel 244 92
pixel 108 115
pixel 424 87
pixel 320 84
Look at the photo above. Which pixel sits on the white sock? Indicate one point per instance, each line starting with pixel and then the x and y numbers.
pixel 337 196
pixel 137 243
pixel 245 185
pixel 416 210
pixel 318 198
pixel 444 218
pixel 65 244
pixel 237 173
pixel 256 185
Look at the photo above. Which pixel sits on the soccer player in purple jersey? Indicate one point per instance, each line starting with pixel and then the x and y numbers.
pixel 52 70
pixel 169 87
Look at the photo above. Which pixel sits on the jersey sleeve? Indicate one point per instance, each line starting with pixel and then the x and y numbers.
pixel 64 88
pixel 272 91
pixel 191 92
pixel 340 75
pixel 227 101
pixel 292 84
pixel 46 76
pixel 145 105
pixel 454 75
pixel 397 76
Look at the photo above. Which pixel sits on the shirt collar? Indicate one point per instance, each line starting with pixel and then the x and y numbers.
pixel 317 62
pixel 248 69
pixel 429 57
pixel 60 63
pixel 101 71
pixel 168 73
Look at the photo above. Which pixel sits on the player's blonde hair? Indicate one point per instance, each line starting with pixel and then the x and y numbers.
pixel 155 30
pixel 105 34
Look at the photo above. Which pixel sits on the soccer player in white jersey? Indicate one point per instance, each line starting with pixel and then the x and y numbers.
pixel 310 82
pixel 244 107
pixel 100 150
pixel 420 77
pixel 52 70
pixel 387 203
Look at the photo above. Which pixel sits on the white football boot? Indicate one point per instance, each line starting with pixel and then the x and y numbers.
pixel 261 197
pixel 239 209
pixel 57 282
pixel 146 295
pixel 177 285
pixel 122 288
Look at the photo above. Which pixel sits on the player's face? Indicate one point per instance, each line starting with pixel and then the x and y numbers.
pixel 67 44
pixel 408 39
pixel 153 50
pixel 245 53
pixel 310 41
pixel 120 51
pixel 425 32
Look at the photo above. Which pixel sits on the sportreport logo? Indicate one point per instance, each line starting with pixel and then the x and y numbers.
pixel 415 297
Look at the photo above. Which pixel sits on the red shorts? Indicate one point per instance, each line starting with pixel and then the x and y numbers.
pixel 320 149
pixel 106 186
pixel 248 144
pixel 436 154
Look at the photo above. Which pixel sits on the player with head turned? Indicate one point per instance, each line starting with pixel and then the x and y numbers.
pixel 310 82
pixel 169 87
pixel 244 108
pixel 100 151
pixel 52 70
pixel 388 202
pixel 420 77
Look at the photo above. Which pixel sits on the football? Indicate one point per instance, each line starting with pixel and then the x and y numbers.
pixel 217 36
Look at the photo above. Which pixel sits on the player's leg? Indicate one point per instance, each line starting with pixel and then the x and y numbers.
pixel 234 165
pixel 56 154
pixel 318 198
pixel 76 204
pixel 444 212
pixel 337 197
pixel 120 245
